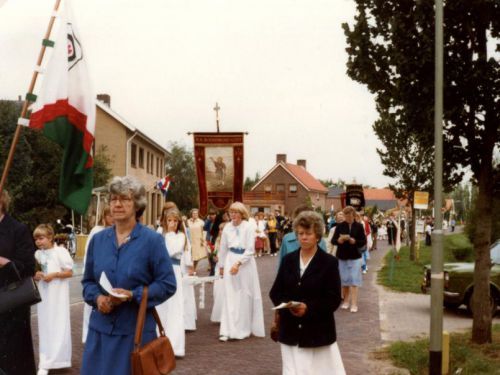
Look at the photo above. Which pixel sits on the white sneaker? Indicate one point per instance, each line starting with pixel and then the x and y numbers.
pixel 223 338
pixel 364 271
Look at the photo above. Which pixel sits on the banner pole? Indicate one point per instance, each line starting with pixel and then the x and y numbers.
pixel 29 98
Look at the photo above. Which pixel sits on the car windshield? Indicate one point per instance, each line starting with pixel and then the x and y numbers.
pixel 495 253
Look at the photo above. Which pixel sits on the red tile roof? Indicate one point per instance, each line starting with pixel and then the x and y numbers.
pixel 302 175
pixel 379 194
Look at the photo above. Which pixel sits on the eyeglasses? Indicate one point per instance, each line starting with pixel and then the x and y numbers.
pixel 122 200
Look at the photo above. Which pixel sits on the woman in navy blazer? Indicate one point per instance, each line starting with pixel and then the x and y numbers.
pixel 132 256
pixel 311 279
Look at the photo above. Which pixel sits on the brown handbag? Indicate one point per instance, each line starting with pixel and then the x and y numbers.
pixel 156 357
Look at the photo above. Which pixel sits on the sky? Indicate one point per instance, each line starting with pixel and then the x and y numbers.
pixel 277 68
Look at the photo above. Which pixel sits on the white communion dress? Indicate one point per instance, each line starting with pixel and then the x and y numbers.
pixel 242 313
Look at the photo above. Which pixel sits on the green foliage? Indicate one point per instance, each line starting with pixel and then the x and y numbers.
pixel 102 166
pixel 330 182
pixel 407 275
pixel 250 182
pixel 34 176
pixel 465 358
pixel 184 187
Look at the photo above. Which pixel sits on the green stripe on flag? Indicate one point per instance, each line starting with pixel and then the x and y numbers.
pixel 75 182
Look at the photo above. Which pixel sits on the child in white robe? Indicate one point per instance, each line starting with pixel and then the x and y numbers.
pixel 54 327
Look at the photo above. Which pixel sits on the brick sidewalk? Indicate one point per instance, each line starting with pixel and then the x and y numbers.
pixel 357 334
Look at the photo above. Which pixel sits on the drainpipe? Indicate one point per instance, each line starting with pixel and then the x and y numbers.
pixel 128 153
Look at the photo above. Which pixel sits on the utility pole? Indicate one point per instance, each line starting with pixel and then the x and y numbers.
pixel 437 275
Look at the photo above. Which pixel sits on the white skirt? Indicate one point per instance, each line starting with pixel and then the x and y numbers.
pixel 171 312
pixel 190 313
pixel 242 313
pixel 87 310
pixel 312 361
pixel 218 292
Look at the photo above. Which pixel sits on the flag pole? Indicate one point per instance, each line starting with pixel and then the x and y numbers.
pixel 30 98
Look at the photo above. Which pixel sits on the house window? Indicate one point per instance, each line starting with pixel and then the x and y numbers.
pixel 280 188
pixel 133 155
pixel 158 167
pixel 141 157
pixel 147 161
pixel 317 196
pixel 268 188
pixel 152 164
pixel 292 189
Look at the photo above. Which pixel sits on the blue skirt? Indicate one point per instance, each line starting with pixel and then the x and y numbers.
pixel 109 354
pixel 350 272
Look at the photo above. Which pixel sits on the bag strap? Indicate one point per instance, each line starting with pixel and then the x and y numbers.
pixel 141 317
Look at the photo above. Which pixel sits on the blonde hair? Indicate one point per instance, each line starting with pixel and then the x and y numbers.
pixel 4 201
pixel 239 207
pixel 175 213
pixel 349 210
pixel 105 212
pixel 44 230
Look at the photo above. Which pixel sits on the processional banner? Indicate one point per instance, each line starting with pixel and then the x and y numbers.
pixel 219 167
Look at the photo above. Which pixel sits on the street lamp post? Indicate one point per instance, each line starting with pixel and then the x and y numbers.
pixel 437 275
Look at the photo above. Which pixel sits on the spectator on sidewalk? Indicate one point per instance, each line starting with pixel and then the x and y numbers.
pixel 143 261
pixel 332 249
pixel 310 278
pixel 16 261
pixel 350 238
pixel 272 233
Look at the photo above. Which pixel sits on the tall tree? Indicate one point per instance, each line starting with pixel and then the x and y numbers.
pixel 391 48
pixel 33 181
pixel 184 186
pixel 250 182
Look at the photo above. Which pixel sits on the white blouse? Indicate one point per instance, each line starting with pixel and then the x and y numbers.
pixel 240 236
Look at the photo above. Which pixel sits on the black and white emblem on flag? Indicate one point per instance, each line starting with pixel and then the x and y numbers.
pixel 75 52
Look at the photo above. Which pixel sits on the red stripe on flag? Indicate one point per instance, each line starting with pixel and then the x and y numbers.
pixel 60 108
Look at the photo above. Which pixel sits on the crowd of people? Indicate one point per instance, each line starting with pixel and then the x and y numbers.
pixel 315 276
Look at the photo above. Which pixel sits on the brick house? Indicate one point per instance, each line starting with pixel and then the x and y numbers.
pixel 284 187
pixel 132 153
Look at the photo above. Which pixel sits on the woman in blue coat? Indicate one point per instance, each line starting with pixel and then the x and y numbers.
pixel 132 256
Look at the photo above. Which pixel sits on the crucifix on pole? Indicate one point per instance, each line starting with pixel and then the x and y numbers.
pixel 217 109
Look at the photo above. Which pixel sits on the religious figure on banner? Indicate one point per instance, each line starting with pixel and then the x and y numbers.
pixel 219 168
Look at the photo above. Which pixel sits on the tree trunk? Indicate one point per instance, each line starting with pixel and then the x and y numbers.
pixel 482 319
pixel 413 239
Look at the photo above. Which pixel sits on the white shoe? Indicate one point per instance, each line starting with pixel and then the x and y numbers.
pixel 223 338
pixel 364 271
pixel 344 306
pixel 42 371
pixel 354 309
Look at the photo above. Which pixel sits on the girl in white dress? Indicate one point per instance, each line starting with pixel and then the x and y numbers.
pixel 218 289
pixel 171 311
pixel 54 327
pixel 187 270
pixel 106 221
pixel 242 313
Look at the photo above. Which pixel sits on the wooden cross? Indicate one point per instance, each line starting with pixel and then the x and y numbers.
pixel 217 109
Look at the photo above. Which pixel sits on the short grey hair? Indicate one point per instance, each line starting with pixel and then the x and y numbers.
pixel 310 220
pixel 129 185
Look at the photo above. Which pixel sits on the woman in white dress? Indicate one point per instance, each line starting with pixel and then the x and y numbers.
pixel 309 279
pixel 242 313
pixel 171 311
pixel 197 237
pixel 190 312
pixel 106 221
pixel 54 327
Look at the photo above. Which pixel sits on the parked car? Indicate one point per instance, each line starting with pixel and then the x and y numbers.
pixel 458 282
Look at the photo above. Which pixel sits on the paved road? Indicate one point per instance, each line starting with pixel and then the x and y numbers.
pixel 358 333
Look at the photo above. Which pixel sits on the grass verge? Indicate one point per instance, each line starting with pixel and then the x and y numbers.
pixel 404 275
pixel 465 358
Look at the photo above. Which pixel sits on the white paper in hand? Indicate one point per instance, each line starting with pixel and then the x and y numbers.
pixel 286 305
pixel 106 285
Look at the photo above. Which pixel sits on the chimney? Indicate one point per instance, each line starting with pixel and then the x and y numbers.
pixel 280 157
pixel 302 163
pixel 105 98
